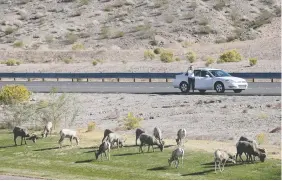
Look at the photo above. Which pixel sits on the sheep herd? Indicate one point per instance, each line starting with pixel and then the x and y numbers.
pixel 244 145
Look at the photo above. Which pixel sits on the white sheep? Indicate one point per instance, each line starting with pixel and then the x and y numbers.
pixel 67 133
pixel 181 134
pixel 158 134
pixel 222 157
pixel 116 138
pixel 176 154
pixel 47 129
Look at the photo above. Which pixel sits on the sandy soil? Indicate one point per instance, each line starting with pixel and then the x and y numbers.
pixel 220 120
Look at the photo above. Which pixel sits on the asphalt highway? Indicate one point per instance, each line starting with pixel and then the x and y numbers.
pixel 265 88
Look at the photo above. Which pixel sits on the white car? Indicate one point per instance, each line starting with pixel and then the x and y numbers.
pixel 211 79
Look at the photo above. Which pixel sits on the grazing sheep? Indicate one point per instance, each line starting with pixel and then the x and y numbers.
pixel 222 157
pixel 158 134
pixel 116 138
pixel 176 154
pixel 242 138
pixel 106 133
pixel 67 133
pixel 33 137
pixel 138 132
pixel 105 146
pixel 181 134
pixel 150 141
pixel 47 129
pixel 22 132
pixel 249 149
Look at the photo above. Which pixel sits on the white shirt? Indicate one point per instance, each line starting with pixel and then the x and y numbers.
pixel 191 74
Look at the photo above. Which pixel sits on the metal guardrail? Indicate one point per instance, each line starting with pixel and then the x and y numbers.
pixel 43 76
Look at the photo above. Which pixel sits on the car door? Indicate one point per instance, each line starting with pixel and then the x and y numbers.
pixel 197 74
pixel 206 82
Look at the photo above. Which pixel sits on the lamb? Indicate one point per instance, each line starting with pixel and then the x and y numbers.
pixel 22 132
pixel 105 146
pixel 158 134
pixel 106 133
pixel 47 129
pixel 176 154
pixel 249 149
pixel 138 132
pixel 33 137
pixel 150 141
pixel 181 134
pixel 222 157
pixel 116 138
pixel 67 133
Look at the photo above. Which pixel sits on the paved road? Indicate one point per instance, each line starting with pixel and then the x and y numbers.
pixel 267 89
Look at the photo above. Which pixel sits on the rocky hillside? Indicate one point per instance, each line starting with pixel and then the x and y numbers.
pixel 133 24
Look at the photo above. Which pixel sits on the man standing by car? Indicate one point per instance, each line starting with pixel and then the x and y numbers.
pixel 191 78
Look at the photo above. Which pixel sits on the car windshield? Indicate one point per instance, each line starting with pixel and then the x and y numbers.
pixel 220 73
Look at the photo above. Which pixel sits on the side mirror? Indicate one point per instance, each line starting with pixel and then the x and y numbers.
pixel 207 76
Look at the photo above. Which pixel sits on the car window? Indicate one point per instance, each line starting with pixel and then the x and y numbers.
pixel 197 73
pixel 204 73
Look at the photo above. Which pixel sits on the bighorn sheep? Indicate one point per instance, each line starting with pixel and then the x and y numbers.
pixel 47 129
pixel 158 134
pixel 249 149
pixel 105 146
pixel 181 134
pixel 67 133
pixel 222 157
pixel 176 154
pixel 150 141
pixel 22 132
pixel 262 150
pixel 138 132
pixel 106 133
pixel 116 138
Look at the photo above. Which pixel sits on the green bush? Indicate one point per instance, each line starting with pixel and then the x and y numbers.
pixel 94 63
pixel 91 126
pixel 149 54
pixel 68 60
pixel 71 38
pixel 253 61
pixel 177 59
pixel 9 30
pixel 11 94
pixel 157 51
pixel 78 46
pixel 131 122
pixel 118 34
pixel 209 61
pixel 230 56
pixel 166 56
pixel 11 62
pixel 18 44
pixel 191 56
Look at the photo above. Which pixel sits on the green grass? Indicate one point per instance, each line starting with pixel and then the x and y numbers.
pixel 43 159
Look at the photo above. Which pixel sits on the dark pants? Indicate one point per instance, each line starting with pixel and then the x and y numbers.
pixel 191 82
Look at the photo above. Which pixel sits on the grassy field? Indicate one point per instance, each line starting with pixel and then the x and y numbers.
pixel 45 160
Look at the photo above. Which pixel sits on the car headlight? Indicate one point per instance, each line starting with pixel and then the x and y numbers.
pixel 230 81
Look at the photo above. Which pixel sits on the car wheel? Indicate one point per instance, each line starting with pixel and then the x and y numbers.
pixel 183 87
pixel 219 87
pixel 202 91
pixel 237 90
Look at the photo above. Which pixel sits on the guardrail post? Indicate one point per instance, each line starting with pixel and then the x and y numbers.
pixel 28 80
pixel 57 79
pixel 253 79
pixel 272 80
pixel 166 79
pixel 72 80
pixel 134 80
pixel 118 79
pixel 0 79
pixel 87 80
pixel 103 80
pixel 14 79
pixel 43 79
pixel 150 80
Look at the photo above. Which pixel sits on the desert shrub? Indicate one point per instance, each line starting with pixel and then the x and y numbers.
pixel 94 62
pixel 209 61
pixel 265 17
pixel 91 126
pixel 118 34
pixel 253 61
pixel 186 44
pixel 108 8
pixel 99 60
pixel 191 56
pixel 71 38
pixel 206 29
pixel 11 94
pixel 166 56
pixel 78 46
pixel 9 30
pixel 219 5
pixel 157 51
pixel 49 38
pixel 105 32
pixel 149 54
pixel 67 60
pixel 83 2
pixel 18 44
pixel 261 138
pixel 12 62
pixel 177 59
pixel 230 56
pixel 131 122
pixel 188 16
